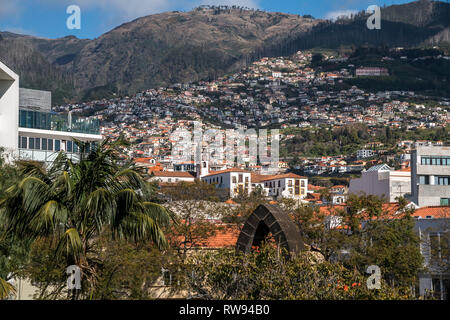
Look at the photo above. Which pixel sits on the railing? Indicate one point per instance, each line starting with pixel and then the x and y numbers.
pixel 58 122
pixel 45 156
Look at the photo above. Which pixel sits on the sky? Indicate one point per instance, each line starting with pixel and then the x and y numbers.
pixel 47 18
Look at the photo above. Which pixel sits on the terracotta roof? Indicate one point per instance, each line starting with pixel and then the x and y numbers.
pixel 283 176
pixel 312 187
pixel 257 178
pixel 213 173
pixel 224 237
pixel 180 174
pixel 435 212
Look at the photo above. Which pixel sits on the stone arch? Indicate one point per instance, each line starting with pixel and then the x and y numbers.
pixel 270 218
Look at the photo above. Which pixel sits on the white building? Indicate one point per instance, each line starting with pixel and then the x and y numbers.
pixel 9 109
pixel 365 153
pixel 430 176
pixel 382 181
pixel 29 130
pixel 287 185
pixel 238 181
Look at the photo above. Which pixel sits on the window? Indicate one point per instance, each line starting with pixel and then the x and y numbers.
pixel 445 201
pixel 31 141
pixel 442 181
pixel 234 179
pixel 435 161
pixel 44 144
pixel 23 145
pixel 57 145
pixel 241 178
pixel 37 143
pixel 50 145
pixel 279 183
pixel 69 146
pixel 424 179
pixel 439 246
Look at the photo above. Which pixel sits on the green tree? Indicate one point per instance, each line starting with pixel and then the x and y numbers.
pixel 72 203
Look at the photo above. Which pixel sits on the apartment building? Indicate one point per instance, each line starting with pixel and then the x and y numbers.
pixel 29 130
pixel 430 176
pixel 383 181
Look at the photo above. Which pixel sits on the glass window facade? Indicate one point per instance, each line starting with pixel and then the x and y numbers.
pixel 57 122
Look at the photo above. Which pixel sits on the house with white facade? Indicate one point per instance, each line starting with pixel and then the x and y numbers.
pixel 237 181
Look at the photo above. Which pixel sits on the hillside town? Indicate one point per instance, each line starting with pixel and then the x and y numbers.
pixel 225 154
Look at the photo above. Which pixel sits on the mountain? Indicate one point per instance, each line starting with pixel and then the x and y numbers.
pixel 204 43
pixel 152 51
pixel 418 23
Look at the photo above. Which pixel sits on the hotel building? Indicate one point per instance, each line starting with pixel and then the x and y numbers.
pixel 29 130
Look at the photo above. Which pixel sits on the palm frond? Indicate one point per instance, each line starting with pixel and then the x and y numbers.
pixel 5 289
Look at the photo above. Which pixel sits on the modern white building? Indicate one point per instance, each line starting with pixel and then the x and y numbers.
pixel 382 181
pixel 29 130
pixel 430 176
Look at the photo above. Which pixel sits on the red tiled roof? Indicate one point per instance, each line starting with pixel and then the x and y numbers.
pixel 312 187
pixel 226 237
pixel 283 176
pixel 213 173
pixel 174 174
pixel 435 212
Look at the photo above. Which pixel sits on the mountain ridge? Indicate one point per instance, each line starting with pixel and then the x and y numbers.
pixel 202 44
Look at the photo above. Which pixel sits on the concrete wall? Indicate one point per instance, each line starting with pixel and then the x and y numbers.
pixel 36 100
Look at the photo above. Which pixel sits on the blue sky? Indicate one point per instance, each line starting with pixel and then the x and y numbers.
pixel 47 18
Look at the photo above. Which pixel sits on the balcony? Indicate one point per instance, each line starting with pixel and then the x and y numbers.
pixel 45 156
pixel 58 122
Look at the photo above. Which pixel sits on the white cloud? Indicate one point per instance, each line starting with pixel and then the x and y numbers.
pixel 333 15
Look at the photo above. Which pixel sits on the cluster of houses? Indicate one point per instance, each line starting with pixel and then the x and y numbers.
pixel 271 92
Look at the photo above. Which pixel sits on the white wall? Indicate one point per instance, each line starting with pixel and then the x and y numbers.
pixel 9 109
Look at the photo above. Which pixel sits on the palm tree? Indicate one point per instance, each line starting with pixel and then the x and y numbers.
pixel 73 203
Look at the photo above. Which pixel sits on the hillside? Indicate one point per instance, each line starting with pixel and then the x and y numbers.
pixel 174 47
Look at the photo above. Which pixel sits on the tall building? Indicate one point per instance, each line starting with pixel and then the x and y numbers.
pixel 29 130
pixel 430 176
pixel 382 181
